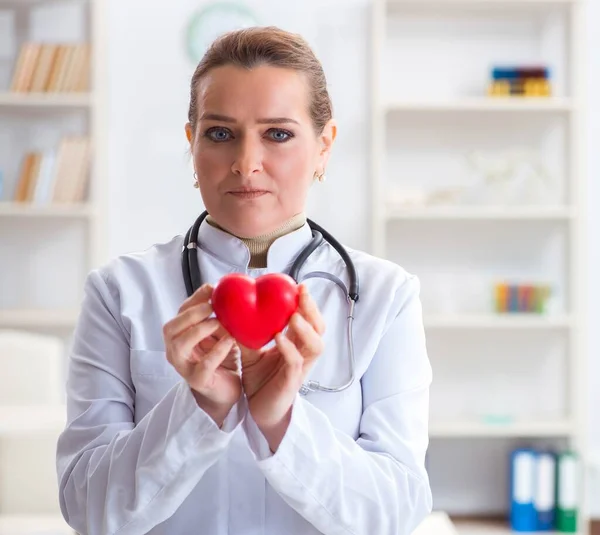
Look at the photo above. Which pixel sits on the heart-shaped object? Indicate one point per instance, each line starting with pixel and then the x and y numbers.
pixel 253 311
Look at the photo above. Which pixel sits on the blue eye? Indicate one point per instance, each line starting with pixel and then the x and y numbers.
pixel 218 134
pixel 280 136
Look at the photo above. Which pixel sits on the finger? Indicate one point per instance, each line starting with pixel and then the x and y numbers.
pixel 306 339
pixel 208 363
pixel 290 353
pixel 232 360
pixel 309 309
pixel 221 332
pixel 186 319
pixel 201 295
pixel 184 343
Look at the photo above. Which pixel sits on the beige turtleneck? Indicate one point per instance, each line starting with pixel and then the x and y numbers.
pixel 259 245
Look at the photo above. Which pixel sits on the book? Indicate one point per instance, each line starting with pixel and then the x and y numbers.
pixel 52 68
pixel 57 175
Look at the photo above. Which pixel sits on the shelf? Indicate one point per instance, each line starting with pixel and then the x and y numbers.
pixel 481 4
pixel 440 523
pixel 23 318
pixel 30 3
pixel 34 525
pixel 491 527
pixel 484 2
pixel 484 104
pixel 48 100
pixel 484 213
pixel 519 429
pixel 493 322
pixel 13 209
pixel 34 419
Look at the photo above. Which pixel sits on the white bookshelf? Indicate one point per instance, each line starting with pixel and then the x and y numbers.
pixel 478 213
pixel 11 209
pixel 32 319
pixel 50 247
pixel 512 322
pixel 44 100
pixel 431 64
pixel 509 430
pixel 471 527
pixel 438 523
pixel 485 3
pixel 479 105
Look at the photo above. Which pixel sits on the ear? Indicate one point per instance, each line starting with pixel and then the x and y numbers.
pixel 188 132
pixel 326 140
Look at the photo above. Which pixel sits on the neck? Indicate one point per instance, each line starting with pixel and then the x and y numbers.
pixel 259 245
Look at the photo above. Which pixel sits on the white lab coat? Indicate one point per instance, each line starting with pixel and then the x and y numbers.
pixel 139 456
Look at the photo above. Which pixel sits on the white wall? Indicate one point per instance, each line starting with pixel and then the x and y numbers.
pixel 149 77
pixel 151 194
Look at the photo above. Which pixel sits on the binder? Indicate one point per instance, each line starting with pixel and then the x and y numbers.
pixel 567 495
pixel 545 491
pixel 523 515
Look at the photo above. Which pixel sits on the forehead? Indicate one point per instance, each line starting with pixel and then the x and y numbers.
pixel 263 91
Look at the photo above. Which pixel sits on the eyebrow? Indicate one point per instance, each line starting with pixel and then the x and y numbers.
pixel 226 119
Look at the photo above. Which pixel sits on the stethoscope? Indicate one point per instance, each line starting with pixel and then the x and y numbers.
pixel 193 281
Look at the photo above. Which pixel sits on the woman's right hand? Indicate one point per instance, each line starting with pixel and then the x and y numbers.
pixel 204 355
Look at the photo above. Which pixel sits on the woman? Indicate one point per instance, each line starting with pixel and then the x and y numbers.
pixel 174 427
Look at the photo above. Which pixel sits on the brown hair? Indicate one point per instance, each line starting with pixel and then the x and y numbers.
pixel 252 47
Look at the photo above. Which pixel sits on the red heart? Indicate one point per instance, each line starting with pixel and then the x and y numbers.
pixel 253 311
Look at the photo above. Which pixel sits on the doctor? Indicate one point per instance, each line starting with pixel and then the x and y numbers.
pixel 173 428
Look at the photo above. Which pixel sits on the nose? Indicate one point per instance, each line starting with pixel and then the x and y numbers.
pixel 248 159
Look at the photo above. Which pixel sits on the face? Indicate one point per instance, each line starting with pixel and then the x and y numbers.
pixel 254 147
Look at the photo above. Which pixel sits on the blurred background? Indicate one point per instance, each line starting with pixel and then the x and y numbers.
pixel 466 153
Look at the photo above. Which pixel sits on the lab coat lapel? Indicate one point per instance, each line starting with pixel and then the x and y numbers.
pixel 234 256
pixel 284 250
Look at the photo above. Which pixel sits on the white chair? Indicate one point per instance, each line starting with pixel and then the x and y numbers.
pixel 437 523
pixel 30 369
pixel 32 414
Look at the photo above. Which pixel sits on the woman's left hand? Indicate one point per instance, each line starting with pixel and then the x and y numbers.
pixel 271 378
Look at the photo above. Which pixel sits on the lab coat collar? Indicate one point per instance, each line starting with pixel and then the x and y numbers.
pixel 233 251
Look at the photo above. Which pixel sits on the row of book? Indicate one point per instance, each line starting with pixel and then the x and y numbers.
pixel 544 491
pixel 520 81
pixel 55 176
pixel 52 68
pixel 530 298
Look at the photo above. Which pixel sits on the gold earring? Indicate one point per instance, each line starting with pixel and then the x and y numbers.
pixel 196 185
pixel 320 177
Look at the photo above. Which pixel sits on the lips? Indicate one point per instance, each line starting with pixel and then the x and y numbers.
pixel 248 193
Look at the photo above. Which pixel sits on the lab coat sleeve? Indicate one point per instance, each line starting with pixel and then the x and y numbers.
pixel 117 478
pixel 377 483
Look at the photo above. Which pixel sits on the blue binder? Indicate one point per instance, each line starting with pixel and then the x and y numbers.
pixel 523 516
pixel 545 491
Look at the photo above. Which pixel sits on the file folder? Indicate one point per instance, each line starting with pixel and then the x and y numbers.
pixel 545 491
pixel 523 515
pixel 567 492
